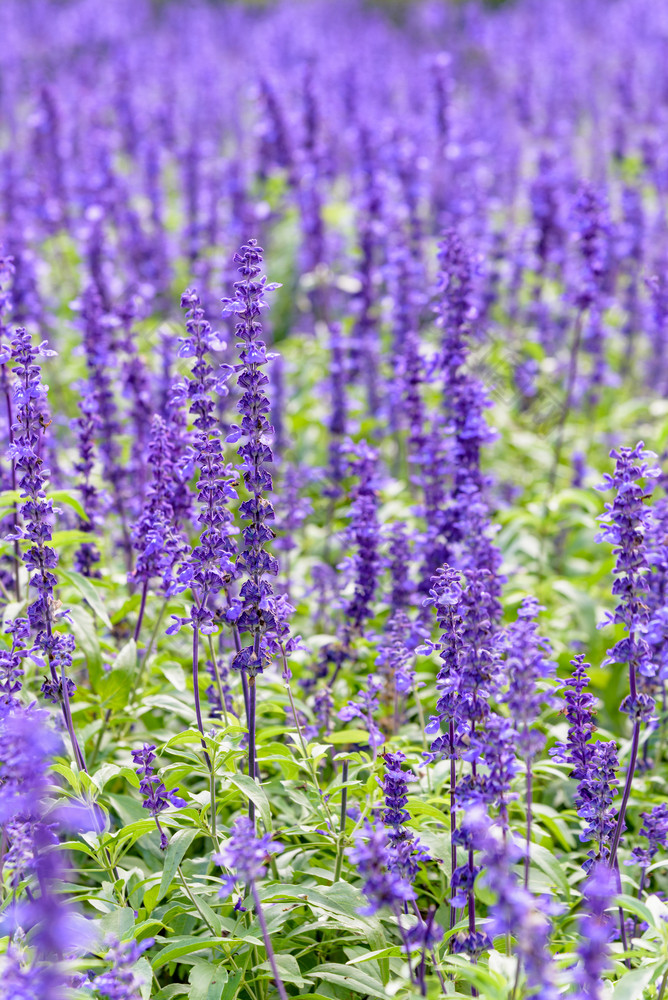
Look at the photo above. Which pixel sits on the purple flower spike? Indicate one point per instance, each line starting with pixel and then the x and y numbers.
pixel 156 797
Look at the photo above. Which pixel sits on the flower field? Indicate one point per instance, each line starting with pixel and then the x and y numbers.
pixel 334 500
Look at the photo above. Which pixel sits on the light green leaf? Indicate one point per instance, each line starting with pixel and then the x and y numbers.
pixel 203 977
pixel 288 968
pixel 178 846
pixel 632 984
pixel 354 980
pixel 180 946
pixel 88 592
pixel 255 793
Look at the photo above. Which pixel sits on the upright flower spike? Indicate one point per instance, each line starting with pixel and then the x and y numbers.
pixel 87 427
pixel 40 558
pixel 245 856
pixel 27 744
pixel 121 982
pixel 595 932
pixel 372 856
pixel 407 851
pixel 626 522
pixel 156 536
pixel 528 668
pixel 156 797
pixel 593 764
pixel 364 533
pixel 209 569
pixel 253 612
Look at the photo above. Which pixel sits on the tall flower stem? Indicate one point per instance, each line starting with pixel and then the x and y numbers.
pixel 635 739
pixel 252 689
pixel 267 941
pixel 527 856
pixel 453 818
pixel 198 706
pixel 142 609
pixel 342 821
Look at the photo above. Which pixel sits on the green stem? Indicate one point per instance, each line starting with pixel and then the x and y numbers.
pixel 342 822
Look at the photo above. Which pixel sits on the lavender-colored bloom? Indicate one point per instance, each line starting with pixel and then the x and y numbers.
pixel 399 562
pixel 593 764
pixel 156 797
pixel 363 708
pixel 595 931
pixel 396 652
pixel 626 522
pixel 27 822
pixel 372 857
pixel 155 536
pixel 121 982
pixel 406 851
pixel 528 669
pixel 210 567
pixel 11 670
pixel 253 611
pixel 655 829
pixel 40 558
pixel 87 427
pixel 364 534
pixel 514 911
pixel 245 855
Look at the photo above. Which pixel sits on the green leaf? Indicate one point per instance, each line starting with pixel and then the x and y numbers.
pixel 62 496
pixel 232 986
pixel 85 634
pixel 354 980
pixel 88 592
pixel 632 984
pixel 186 945
pixel 288 968
pixel 203 977
pixel 255 793
pixel 349 736
pixel 178 846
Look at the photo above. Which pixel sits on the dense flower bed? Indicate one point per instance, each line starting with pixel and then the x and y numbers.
pixel 334 562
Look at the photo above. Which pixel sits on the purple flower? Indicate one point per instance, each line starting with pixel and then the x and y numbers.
pixel 595 931
pixel 364 534
pixel 121 982
pixel 156 797
pixel 245 855
pixel 210 567
pixel 253 612
pixel 373 859
pixel 407 851
pixel 528 669
pixel 363 707
pixel 156 536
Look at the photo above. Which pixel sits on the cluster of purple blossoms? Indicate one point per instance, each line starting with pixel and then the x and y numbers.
pixel 11 670
pixel 528 670
pixel 626 522
pixel 253 612
pixel 120 981
pixel 29 836
pixel 373 857
pixel 87 427
pixel 40 558
pixel 364 534
pixel 156 536
pixel 156 797
pixel 594 765
pixel 595 933
pixel 210 568
pixel 363 707
pixel 407 850
pixel 245 855
pixel 655 829
pixel 514 911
